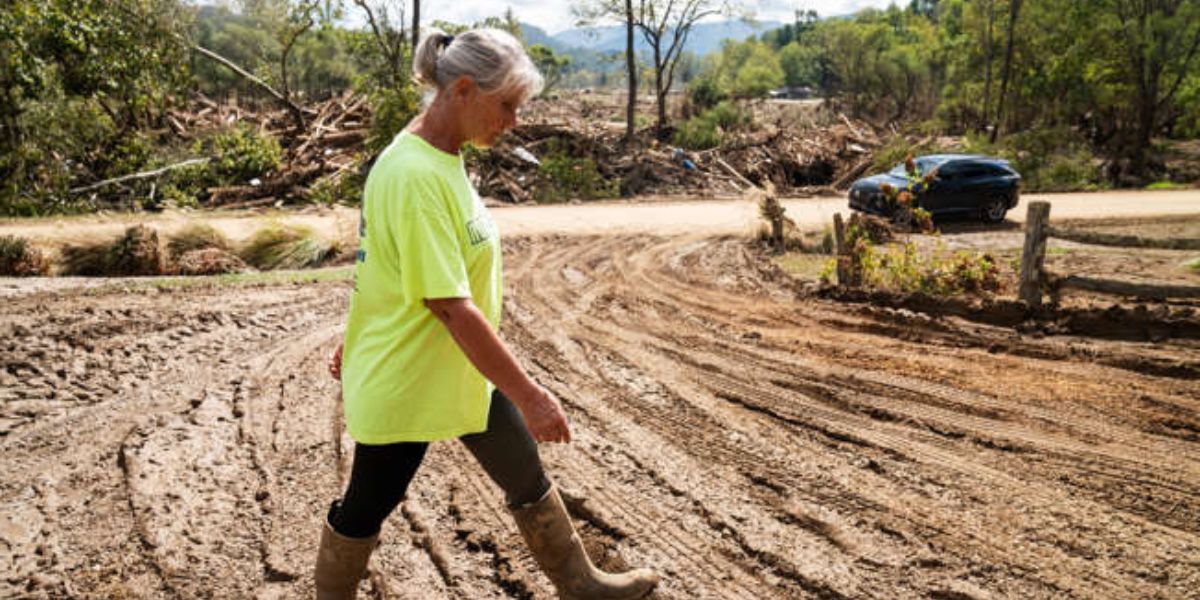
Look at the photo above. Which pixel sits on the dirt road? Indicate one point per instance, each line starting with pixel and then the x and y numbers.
pixel 729 216
pixel 184 443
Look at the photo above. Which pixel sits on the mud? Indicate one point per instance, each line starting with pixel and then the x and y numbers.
pixel 744 441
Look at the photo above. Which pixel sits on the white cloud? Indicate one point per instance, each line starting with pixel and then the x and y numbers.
pixel 556 16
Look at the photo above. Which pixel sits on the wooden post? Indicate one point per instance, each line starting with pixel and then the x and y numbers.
pixel 843 261
pixel 1034 254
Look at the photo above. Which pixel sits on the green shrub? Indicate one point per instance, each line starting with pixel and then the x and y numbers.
pixel 905 268
pixel 1049 160
pixel 1193 265
pixel 707 129
pixel 242 153
pixel 287 247
pixel 197 236
pixel 19 259
pixel 697 133
pixel 391 110
pixel 704 92
pixel 564 177
pixel 344 188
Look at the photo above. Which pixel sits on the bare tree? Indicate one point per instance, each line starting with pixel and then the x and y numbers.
pixel 1014 8
pixel 631 74
pixel 299 20
pixel 666 25
pixel 592 12
pixel 386 19
pixel 416 27
pixel 989 58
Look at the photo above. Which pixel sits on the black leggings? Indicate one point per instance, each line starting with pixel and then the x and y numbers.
pixel 381 473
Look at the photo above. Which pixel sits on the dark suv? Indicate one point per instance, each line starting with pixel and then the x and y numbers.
pixel 962 185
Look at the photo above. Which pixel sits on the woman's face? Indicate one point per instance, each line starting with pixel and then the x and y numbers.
pixel 487 115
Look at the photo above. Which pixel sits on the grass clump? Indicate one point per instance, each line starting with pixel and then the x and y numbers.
pixel 209 261
pixel 198 236
pixel 287 247
pixel 134 253
pixel 20 259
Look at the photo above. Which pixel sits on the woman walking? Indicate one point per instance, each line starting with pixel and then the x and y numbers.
pixel 423 361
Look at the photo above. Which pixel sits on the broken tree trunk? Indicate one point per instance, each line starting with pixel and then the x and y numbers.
pixel 135 176
pixel 296 112
pixel 1034 254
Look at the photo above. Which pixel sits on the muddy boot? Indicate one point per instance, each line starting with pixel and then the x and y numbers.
pixel 341 562
pixel 547 530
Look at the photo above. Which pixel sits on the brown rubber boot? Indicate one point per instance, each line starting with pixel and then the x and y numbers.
pixel 547 530
pixel 341 562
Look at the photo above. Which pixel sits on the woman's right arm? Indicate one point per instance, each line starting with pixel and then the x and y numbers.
pixel 475 336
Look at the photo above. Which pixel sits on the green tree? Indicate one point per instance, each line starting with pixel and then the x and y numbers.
pixel 759 73
pixel 551 65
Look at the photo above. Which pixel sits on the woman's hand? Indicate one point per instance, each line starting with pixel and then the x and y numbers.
pixel 543 415
pixel 335 363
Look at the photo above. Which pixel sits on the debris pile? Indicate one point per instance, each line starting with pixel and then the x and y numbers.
pixel 329 146
pixel 569 133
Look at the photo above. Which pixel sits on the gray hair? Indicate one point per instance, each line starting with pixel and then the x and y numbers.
pixel 493 58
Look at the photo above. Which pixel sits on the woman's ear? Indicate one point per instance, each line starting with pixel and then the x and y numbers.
pixel 463 87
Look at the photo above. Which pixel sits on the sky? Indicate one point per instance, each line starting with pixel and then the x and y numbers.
pixel 555 15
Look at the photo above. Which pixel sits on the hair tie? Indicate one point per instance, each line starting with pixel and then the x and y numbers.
pixel 446 41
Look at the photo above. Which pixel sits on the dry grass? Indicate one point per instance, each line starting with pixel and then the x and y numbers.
pixel 287 247
pixel 20 259
pixel 135 252
pixel 198 236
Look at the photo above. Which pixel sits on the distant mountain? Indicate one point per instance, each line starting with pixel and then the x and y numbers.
pixel 703 39
pixel 536 35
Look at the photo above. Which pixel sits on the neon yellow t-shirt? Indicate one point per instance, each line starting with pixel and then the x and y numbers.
pixel 424 233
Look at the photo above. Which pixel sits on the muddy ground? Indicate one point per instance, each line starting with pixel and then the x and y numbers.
pixel 184 442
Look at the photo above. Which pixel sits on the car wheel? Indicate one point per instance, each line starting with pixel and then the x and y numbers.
pixel 995 210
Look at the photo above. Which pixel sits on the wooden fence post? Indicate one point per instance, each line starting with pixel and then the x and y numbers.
pixel 1034 254
pixel 843 260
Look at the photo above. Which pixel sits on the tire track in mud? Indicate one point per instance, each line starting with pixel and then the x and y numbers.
pixel 745 442
pixel 948 413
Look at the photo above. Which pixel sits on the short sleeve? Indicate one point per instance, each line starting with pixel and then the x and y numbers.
pixel 431 260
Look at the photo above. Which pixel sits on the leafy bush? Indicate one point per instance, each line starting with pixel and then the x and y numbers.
pixel 697 133
pixel 242 153
pixel 197 236
pixel 565 177
pixel 706 130
pixel 283 247
pixel 705 92
pixel 1049 160
pixel 391 110
pixel 346 188
pixel 19 259
pixel 905 268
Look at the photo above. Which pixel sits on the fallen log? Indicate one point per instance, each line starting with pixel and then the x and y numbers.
pixel 136 176
pixel 1127 241
pixel 1126 288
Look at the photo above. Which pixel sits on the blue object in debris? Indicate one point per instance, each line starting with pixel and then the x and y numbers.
pixel 689 165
